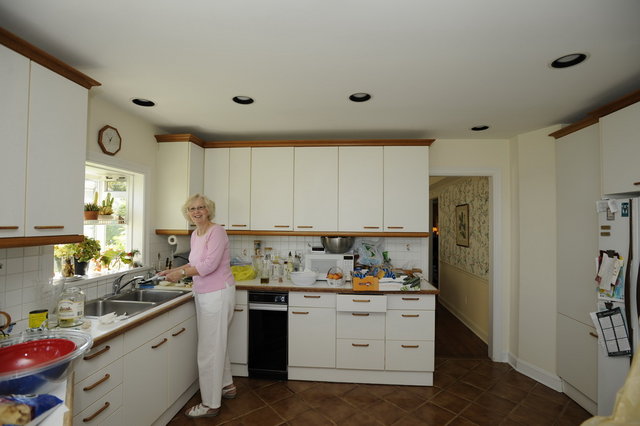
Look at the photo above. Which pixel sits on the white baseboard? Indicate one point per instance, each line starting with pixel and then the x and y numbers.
pixel 539 375
pixel 580 398
pixel 177 405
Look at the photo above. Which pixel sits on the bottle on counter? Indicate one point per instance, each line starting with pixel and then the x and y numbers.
pixel 71 307
pixel 265 271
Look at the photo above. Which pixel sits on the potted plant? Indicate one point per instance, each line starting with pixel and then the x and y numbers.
pixel 92 209
pixel 63 253
pixel 106 209
pixel 84 251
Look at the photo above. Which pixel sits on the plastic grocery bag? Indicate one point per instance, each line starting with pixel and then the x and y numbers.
pixel 369 252
pixel 626 410
pixel 243 273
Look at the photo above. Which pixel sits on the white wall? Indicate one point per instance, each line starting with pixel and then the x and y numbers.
pixel 537 247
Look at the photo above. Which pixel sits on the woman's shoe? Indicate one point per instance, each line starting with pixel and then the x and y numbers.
pixel 229 392
pixel 202 410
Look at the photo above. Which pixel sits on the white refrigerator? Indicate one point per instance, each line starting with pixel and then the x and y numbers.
pixel 619 233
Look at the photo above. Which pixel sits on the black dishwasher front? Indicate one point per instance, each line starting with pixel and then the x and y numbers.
pixel 268 330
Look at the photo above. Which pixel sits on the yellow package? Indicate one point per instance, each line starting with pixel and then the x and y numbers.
pixel 243 273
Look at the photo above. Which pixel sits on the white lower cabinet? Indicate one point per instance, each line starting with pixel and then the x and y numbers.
pixel 238 339
pixel 312 330
pixel 361 328
pixel 134 378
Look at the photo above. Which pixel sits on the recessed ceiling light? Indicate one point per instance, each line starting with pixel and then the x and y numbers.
pixel 568 60
pixel 479 128
pixel 243 100
pixel 360 97
pixel 143 102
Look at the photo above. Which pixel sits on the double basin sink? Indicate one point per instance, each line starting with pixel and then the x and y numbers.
pixel 130 303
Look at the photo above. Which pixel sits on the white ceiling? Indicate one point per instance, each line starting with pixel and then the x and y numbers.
pixel 434 68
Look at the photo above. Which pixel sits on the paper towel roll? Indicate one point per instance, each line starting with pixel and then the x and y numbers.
pixel 178 244
pixel 172 240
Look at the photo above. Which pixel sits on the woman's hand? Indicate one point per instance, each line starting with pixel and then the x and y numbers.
pixel 173 275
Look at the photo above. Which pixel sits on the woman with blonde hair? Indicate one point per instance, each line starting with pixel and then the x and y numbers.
pixel 214 293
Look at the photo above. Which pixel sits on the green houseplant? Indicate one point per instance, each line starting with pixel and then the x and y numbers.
pixel 84 251
pixel 92 209
pixel 106 209
pixel 63 253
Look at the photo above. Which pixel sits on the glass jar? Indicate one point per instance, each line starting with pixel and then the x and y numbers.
pixel 71 307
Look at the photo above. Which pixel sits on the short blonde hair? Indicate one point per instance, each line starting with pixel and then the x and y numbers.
pixel 211 206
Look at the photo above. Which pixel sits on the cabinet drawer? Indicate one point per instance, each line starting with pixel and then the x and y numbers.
pixel 98 357
pixel 242 297
pixel 360 354
pixel 361 303
pixel 414 301
pixel 101 410
pixel 98 384
pixel 360 325
pixel 183 312
pixel 407 355
pixel 410 325
pixel 146 332
pixel 314 300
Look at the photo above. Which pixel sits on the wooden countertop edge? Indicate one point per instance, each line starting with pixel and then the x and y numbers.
pixel 342 290
pixel 140 320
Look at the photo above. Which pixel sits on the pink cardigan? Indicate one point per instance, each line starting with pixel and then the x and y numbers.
pixel 210 256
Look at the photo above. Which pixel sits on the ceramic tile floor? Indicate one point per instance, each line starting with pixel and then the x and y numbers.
pixel 468 390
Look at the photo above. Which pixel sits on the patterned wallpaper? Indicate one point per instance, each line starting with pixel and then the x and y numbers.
pixel 475 192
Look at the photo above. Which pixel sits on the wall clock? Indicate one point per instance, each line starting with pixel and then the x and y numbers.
pixel 109 140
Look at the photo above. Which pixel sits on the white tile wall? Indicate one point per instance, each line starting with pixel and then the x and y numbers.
pixel 24 282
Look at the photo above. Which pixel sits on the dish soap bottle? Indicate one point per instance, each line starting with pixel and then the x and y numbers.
pixel 71 307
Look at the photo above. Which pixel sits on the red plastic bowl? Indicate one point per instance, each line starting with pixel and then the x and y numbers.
pixel 33 354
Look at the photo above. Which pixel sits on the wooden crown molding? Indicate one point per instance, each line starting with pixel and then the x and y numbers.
pixel 594 116
pixel 181 137
pixel 38 55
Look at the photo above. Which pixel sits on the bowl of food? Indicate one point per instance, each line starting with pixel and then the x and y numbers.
pixel 303 277
pixel 337 245
pixel 33 361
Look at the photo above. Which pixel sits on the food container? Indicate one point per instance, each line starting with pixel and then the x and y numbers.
pixel 35 361
pixel 337 245
pixel 335 277
pixel 367 283
pixel 303 277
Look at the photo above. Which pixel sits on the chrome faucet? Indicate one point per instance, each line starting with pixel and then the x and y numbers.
pixel 117 287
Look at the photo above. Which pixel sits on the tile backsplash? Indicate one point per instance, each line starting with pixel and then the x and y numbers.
pixel 25 272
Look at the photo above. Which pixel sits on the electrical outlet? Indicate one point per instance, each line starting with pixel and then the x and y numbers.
pixel 408 247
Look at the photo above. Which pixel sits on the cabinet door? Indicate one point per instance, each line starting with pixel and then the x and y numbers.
pixel 360 187
pixel 315 205
pixel 146 381
pixel 216 182
pixel 196 170
pixel 239 335
pixel 183 361
pixel 14 110
pixel 56 154
pixel 312 337
pixel 272 189
pixel 406 188
pixel 239 188
pixel 620 150
pixel 578 355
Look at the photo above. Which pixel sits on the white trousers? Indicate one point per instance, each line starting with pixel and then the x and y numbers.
pixel 214 311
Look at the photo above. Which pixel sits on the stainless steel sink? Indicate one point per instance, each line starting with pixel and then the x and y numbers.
pixel 99 307
pixel 148 295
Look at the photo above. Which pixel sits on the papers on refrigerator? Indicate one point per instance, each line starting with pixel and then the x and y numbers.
pixel 612 331
pixel 610 280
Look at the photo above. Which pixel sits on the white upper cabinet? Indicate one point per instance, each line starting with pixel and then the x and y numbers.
pixel 216 182
pixel 620 150
pixel 43 147
pixel 272 189
pixel 406 189
pixel 239 189
pixel 315 199
pixel 181 170
pixel 14 113
pixel 360 190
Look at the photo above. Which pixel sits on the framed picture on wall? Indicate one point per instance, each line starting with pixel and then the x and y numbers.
pixel 462 225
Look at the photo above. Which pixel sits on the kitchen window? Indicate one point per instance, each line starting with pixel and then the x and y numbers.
pixel 121 231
